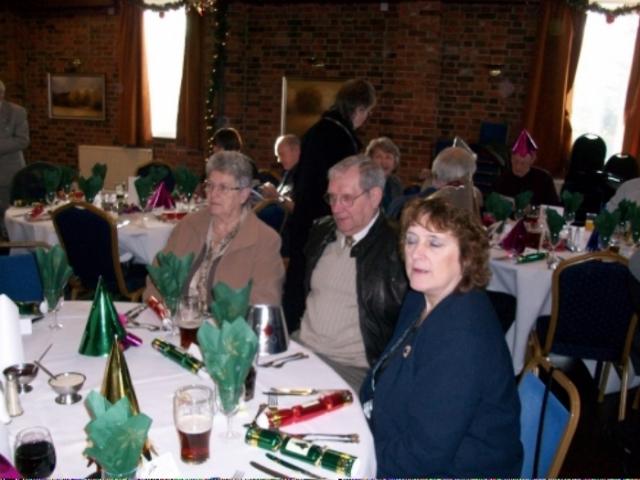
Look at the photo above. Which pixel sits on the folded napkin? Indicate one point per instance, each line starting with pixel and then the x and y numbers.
pixel 228 303
pixel 144 188
pixel 555 222
pixel 116 434
pixel 228 350
pixel 99 170
pixel 170 275
pixel 516 239
pixel 51 180
pixel 11 350
pixel 160 198
pixel 498 206
pixel 523 199
pixel 7 470
pixel 571 202
pixel 625 208
pixel 90 186
pixel 55 272
pixel 186 181
pixel 67 176
pixel 606 223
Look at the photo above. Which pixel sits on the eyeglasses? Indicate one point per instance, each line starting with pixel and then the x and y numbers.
pixel 344 200
pixel 222 188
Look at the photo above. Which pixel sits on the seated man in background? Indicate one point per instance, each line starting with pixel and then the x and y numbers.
pixel 354 279
pixel 523 176
pixel 287 150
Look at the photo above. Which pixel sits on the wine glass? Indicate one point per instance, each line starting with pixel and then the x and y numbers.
pixel 50 197
pixel 35 456
pixel 552 258
pixel 170 324
pixel 228 401
pixel 52 297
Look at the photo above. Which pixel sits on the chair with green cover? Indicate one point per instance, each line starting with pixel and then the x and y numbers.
pixel 28 183
pixel 89 237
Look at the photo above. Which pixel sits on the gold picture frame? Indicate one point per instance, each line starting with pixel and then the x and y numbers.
pixel 74 96
pixel 304 100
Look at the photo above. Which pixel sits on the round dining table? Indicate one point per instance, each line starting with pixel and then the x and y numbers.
pixel 155 378
pixel 140 236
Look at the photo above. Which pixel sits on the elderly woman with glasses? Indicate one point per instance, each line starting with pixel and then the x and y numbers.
pixel 442 398
pixel 229 242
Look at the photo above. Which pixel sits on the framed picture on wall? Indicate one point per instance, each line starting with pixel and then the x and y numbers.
pixel 304 100
pixel 76 96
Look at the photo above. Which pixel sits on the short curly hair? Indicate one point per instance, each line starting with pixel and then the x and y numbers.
pixel 473 243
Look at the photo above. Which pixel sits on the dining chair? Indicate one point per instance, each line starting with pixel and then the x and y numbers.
pixel 89 237
pixel 19 274
pixel 623 166
pixel 543 388
pixel 27 184
pixel 273 213
pixel 587 154
pixel 592 316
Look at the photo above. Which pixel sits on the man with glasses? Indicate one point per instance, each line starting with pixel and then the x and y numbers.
pixel 354 279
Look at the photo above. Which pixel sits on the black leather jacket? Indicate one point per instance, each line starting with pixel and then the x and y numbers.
pixel 380 278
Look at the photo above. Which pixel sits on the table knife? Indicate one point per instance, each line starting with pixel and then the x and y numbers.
pixel 292 466
pixel 268 471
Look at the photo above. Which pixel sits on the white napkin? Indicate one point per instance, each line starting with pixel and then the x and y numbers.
pixel 4 418
pixel 132 192
pixel 11 351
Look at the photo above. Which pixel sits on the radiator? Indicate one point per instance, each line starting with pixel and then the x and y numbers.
pixel 122 162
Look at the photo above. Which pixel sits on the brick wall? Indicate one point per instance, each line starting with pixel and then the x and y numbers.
pixel 427 60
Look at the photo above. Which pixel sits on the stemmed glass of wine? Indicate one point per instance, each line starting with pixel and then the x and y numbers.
pixel 35 456
pixel 228 400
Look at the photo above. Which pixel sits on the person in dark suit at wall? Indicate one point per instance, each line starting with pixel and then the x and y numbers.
pixel 523 176
pixel 14 138
pixel 329 140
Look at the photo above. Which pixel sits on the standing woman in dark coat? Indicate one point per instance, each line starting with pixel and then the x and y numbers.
pixel 442 399
pixel 328 141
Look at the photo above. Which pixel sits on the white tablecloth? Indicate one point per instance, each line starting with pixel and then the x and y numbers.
pixel 142 237
pixel 155 378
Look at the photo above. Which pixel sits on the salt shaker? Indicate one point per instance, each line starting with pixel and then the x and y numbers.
pixel 12 397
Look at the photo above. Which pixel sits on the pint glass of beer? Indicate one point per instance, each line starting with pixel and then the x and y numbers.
pixel 193 415
pixel 189 321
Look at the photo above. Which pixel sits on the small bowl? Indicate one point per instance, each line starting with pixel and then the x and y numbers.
pixel 25 372
pixel 67 385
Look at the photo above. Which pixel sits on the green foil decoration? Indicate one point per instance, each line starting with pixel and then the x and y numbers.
pixel 102 325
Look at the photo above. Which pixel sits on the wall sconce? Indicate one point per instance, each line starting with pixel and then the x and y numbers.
pixel 494 69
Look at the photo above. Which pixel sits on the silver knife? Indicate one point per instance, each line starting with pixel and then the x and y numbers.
pixel 268 471
pixel 299 391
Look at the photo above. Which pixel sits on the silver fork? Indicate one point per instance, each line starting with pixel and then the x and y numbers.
pixel 280 363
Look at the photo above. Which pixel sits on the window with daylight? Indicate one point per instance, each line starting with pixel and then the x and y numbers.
pixel 602 78
pixel 164 45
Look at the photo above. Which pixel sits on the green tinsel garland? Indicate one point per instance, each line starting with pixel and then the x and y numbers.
pixel 221 35
pixel 596 7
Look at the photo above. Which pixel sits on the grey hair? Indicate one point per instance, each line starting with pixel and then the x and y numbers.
pixel 2 88
pixel 353 94
pixel 289 139
pixel 454 163
pixel 371 174
pixel 386 145
pixel 236 164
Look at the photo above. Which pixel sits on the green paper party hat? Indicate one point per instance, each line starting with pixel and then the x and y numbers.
pixel 102 325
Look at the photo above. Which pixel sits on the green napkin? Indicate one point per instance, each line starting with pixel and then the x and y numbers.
pixel 228 303
pixel 116 435
pixel 144 188
pixel 100 170
pixel 606 223
pixel 67 175
pixel 186 181
pixel 228 351
pixel 555 222
pixel 498 206
pixel 572 201
pixel 90 186
pixel 624 208
pixel 54 271
pixel 170 275
pixel 523 199
pixel 51 180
